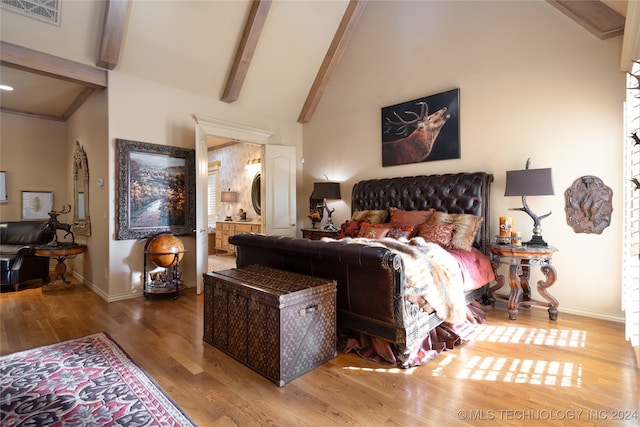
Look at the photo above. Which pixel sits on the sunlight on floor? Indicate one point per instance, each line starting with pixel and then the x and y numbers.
pixel 390 370
pixel 522 371
pixel 519 335
pixel 516 370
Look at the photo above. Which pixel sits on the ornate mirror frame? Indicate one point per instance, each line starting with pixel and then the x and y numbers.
pixel 81 217
pixel 256 188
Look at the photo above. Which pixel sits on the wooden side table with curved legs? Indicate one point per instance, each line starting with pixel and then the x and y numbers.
pixel 520 259
pixel 61 253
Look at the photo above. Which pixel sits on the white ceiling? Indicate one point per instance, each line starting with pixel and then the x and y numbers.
pixel 189 45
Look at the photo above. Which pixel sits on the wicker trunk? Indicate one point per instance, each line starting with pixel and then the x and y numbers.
pixel 280 324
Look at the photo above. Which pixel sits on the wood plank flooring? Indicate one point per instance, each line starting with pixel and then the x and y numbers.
pixel 576 371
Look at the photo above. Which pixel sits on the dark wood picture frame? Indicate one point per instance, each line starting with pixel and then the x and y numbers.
pixel 155 189
pixel 422 130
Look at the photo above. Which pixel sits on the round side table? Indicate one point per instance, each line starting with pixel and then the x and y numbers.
pixel 61 253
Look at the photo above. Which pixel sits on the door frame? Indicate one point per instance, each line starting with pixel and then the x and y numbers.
pixel 205 127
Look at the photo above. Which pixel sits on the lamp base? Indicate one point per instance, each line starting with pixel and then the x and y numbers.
pixel 536 241
pixel 330 227
pixel 228 218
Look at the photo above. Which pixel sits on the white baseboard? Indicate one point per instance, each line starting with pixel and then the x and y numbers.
pixel 596 315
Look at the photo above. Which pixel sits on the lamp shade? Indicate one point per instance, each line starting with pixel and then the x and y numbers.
pixel 326 190
pixel 529 182
pixel 229 196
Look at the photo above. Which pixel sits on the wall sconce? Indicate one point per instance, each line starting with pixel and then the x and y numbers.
pixel 229 197
pixel 326 191
pixel 253 162
pixel 530 182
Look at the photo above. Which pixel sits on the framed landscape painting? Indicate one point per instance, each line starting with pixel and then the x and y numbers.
pixel 422 130
pixel 156 189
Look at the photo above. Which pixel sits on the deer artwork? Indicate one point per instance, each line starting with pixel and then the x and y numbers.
pixel 54 225
pixel 417 146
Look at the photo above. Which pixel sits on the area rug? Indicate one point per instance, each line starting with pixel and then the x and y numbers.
pixel 89 381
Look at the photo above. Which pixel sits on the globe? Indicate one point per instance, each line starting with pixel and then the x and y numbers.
pixel 162 250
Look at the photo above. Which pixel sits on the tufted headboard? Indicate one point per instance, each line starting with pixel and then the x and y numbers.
pixel 452 193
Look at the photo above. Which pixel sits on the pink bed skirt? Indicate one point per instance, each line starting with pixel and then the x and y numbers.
pixel 441 338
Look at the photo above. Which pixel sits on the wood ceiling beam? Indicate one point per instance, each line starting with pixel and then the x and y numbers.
pixel 595 16
pixel 113 29
pixel 338 45
pixel 52 66
pixel 244 54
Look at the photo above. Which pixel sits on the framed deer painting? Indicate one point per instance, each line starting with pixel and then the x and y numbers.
pixel 422 130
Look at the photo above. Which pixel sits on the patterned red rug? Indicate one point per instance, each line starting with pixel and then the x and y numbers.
pixel 88 381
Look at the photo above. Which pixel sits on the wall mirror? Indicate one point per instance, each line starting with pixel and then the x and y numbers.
pixel 255 194
pixel 81 218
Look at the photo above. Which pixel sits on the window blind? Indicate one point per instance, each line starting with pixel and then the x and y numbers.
pixel 631 212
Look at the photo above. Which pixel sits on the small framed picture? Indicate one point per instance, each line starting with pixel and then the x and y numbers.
pixel 3 187
pixel 36 204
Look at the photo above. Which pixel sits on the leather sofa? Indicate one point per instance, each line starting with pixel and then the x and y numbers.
pixel 17 260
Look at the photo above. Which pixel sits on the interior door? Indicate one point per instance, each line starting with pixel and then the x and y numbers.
pixel 201 231
pixel 278 191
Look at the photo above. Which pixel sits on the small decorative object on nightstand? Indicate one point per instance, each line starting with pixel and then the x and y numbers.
pixel 520 259
pixel 318 234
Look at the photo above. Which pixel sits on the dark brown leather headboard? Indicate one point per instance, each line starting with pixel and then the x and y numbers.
pixel 453 193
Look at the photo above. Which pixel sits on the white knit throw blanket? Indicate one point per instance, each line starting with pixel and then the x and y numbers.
pixel 430 272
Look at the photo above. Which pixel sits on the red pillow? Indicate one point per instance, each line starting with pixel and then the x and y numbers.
pixel 440 234
pixel 398 216
pixel 350 228
pixel 374 231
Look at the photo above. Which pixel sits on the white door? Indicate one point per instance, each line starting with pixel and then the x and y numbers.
pixel 278 193
pixel 202 180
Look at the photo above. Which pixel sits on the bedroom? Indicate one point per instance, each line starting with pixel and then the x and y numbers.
pixel 533 84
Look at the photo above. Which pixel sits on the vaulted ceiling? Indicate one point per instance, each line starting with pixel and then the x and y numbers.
pixel 246 45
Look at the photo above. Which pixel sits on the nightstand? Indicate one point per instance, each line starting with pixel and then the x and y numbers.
pixel 318 233
pixel 520 259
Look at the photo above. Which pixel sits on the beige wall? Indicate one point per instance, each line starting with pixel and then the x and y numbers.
pixel 531 85
pixel 144 111
pixel 35 157
pixel 89 127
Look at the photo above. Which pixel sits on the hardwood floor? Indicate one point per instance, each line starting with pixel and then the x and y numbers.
pixel 576 371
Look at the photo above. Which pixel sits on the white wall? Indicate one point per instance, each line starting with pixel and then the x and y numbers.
pixel 532 84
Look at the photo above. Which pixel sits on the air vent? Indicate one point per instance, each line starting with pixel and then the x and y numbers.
pixel 44 10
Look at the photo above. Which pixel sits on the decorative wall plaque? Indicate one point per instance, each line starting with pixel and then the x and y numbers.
pixel 588 205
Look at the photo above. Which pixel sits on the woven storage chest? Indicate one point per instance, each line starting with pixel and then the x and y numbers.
pixel 280 324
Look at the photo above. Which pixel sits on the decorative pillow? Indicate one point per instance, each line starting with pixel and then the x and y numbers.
pixel 401 231
pixel 398 216
pixel 349 228
pixel 466 227
pixel 372 216
pixel 374 231
pixel 440 234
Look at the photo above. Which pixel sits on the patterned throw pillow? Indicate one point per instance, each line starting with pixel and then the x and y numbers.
pixel 440 234
pixel 372 216
pixel 401 231
pixel 374 231
pixel 398 216
pixel 349 228
pixel 466 227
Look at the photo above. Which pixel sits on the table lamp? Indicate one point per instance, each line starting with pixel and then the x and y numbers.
pixel 326 191
pixel 229 197
pixel 530 182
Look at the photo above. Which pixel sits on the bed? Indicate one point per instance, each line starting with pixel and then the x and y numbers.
pixel 380 315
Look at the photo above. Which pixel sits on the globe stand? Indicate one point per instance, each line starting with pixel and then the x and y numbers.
pixel 165 254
